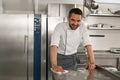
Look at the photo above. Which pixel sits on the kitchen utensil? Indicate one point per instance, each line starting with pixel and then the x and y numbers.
pixel 100 25
pixel 116 12
pixel 91 5
pixel 94 5
pixel 115 50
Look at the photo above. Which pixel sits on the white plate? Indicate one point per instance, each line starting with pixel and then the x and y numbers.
pixel 59 73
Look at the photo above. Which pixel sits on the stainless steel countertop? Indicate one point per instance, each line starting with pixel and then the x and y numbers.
pixel 83 74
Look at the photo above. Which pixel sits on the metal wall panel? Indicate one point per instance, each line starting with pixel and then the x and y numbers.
pixel 43 46
pixel 14 50
pixel 40 48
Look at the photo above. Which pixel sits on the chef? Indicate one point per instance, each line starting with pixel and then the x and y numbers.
pixel 66 38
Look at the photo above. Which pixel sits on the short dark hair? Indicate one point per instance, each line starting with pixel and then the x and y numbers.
pixel 76 11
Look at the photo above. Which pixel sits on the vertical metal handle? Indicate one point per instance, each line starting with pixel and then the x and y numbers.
pixel 25 43
pixel 26 53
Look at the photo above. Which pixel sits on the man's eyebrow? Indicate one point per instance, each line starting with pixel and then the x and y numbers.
pixel 73 19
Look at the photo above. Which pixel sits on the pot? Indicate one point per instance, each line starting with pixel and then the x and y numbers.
pixel 94 5
pixel 100 25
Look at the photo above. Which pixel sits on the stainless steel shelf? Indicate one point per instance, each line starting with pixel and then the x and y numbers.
pixel 104 15
pixel 96 28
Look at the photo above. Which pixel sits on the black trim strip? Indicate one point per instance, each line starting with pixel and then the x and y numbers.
pixel 97 35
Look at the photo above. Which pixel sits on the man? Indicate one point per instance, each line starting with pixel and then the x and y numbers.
pixel 65 41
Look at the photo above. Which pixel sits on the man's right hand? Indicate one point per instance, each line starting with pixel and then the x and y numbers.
pixel 58 68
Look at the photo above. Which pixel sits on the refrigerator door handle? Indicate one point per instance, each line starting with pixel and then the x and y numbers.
pixel 25 44
pixel 26 53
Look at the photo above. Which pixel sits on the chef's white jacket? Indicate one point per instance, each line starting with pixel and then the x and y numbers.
pixel 68 40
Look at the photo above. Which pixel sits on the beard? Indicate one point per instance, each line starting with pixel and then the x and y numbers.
pixel 73 27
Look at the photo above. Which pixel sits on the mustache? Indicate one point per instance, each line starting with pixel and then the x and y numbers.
pixel 72 26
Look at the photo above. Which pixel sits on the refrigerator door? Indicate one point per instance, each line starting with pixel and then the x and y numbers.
pixel 14 47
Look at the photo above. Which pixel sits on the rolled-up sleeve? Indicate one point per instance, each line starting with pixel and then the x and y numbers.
pixel 55 38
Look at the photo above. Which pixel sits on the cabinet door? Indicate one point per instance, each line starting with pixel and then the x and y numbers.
pixel 13 47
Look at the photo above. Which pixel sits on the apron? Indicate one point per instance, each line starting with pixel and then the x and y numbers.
pixel 68 62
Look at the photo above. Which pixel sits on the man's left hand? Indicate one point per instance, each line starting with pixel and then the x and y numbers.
pixel 91 66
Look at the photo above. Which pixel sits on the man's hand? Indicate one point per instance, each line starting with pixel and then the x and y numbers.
pixel 58 68
pixel 91 66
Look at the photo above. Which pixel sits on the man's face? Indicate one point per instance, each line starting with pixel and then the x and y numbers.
pixel 74 20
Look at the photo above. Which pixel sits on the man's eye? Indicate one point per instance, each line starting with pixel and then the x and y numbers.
pixel 78 21
pixel 72 20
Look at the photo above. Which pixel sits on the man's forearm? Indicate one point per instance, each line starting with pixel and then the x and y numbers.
pixel 90 54
pixel 53 55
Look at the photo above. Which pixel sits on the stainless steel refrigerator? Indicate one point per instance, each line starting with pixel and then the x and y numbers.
pixel 16 46
pixel 22 47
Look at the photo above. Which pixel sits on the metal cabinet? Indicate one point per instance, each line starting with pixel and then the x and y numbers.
pixel 108 60
pixel 16 47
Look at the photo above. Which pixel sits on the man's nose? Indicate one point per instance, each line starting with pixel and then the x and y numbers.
pixel 75 23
